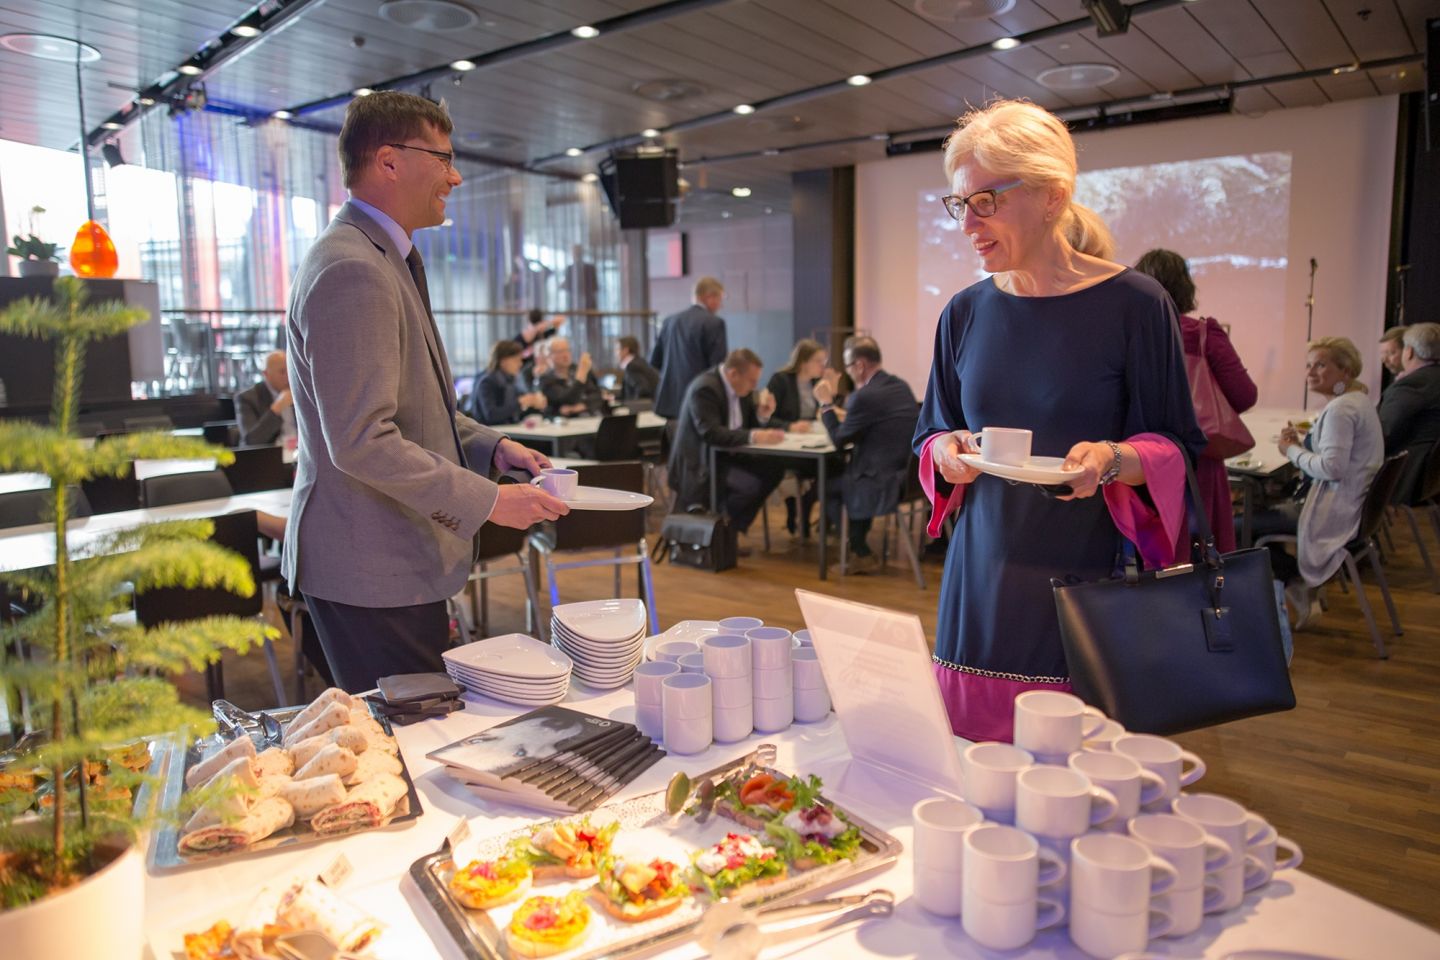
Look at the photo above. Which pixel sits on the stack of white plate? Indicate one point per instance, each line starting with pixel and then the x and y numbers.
pixel 604 638
pixel 514 668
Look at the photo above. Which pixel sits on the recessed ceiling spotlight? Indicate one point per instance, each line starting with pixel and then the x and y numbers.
pixel 725 214
pixel 951 10
pixel 364 92
pixel 770 152
pixel 585 32
pixel 49 47
pixel 145 101
pixel 589 178
pixel 282 114
pixel 447 222
pixel 1348 68
pixel 189 69
pixel 112 125
pixel 650 133
pixel 1077 76
pixel 432 16
pixel 246 30
pixel 859 80
pixel 741 192
pixel 744 109
pixel 462 65
pixel 1005 43
pixel 574 152
pixel 769 210
pixel 879 136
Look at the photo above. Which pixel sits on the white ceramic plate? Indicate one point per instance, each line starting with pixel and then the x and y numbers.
pixel 613 621
pixel 476 680
pixel 520 701
pixel 602 498
pixel 586 665
pixel 599 651
pixel 512 655
pixel 1034 470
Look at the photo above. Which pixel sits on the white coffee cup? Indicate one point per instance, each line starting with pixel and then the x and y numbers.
pixel 1182 843
pixel 673 650
pixel 812 705
pixel 1108 935
pixel 730 692
pixel 1131 783
pixel 1053 724
pixel 692 663
pixel 989 771
pixel 1002 871
pixel 727 655
pixel 685 696
pixel 740 624
pixel 1187 907
pixel 561 481
pixel 648 680
pixel 1059 803
pixel 1162 757
pixel 774 715
pixel 732 723
pixel 1233 825
pixel 804 637
pixel 1263 846
pixel 1116 874
pixel 805 663
pixel 686 735
pixel 770 683
pixel 1104 738
pixel 1003 445
pixel 769 648
pixel 941 824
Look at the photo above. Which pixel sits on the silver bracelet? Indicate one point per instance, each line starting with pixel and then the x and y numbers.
pixel 1112 472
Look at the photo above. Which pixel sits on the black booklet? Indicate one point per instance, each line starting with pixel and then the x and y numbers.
pixel 553 759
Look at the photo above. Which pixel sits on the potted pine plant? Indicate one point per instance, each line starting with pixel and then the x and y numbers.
pixel 94 688
pixel 37 258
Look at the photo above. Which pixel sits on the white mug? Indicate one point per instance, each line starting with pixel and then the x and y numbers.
pixel 1162 757
pixel 805 664
pixel 1049 723
pixel 774 715
pixel 730 692
pixel 771 683
pixel 812 705
pixel 1131 783
pixel 770 647
pixel 1002 873
pixel 1104 738
pixel 1108 935
pixel 1183 844
pixel 1263 846
pixel 729 724
pixel 940 828
pixel 685 696
pixel 727 655
pixel 1187 907
pixel 1116 874
pixel 1233 825
pixel 740 624
pixel 1003 445
pixel 1059 803
pixel 692 663
pixel 989 771
pixel 561 481
pixel 648 680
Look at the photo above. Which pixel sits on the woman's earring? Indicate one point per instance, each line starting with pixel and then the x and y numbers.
pixel 1341 387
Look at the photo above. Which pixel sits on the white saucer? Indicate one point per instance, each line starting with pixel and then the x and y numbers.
pixel 604 621
pixel 511 655
pixel 1035 470
pixel 602 498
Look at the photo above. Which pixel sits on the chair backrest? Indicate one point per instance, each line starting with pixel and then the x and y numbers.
pixel 1378 496
pixel 234 531
pixel 1429 488
pixel 22 508
pixel 259 468
pixel 497 541
pixel 113 494
pixel 155 422
pixel 618 438
pixel 584 529
pixel 911 490
pixel 225 433
pixel 185 488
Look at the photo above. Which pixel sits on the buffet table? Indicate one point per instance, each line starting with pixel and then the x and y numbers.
pixel 1296 912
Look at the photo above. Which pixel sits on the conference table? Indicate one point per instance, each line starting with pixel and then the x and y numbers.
pixel 561 436
pixel 1296 912
pixel 1263 464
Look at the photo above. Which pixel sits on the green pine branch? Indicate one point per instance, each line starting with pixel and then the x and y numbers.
pixel 67 315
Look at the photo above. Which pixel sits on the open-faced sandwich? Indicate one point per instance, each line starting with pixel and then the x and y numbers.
pixel 543 926
pixel 755 801
pixel 813 835
pixel 565 848
pixel 632 890
pixel 489 883
pixel 737 861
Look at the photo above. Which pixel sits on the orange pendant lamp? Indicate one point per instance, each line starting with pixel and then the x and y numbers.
pixel 93 253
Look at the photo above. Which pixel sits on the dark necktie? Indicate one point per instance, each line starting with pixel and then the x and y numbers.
pixel 417 273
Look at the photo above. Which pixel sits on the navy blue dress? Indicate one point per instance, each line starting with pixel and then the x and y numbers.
pixel 1103 363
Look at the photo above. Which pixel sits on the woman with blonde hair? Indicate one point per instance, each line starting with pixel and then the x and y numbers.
pixel 1081 351
pixel 1340 457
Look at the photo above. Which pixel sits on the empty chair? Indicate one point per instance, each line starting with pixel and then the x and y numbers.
pixel 259 468
pixel 185 488
pixel 113 494
pixel 617 438
pixel 1427 498
pixel 25 507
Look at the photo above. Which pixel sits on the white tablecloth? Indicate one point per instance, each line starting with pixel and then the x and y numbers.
pixel 1295 912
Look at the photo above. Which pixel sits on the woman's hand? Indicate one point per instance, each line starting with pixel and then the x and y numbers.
pixel 1289 437
pixel 1093 459
pixel 946 455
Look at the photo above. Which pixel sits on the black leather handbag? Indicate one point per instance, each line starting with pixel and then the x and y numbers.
pixel 1189 646
pixel 705 541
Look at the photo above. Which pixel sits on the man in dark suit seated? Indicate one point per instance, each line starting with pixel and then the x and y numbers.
pixel 570 389
pixel 876 419
pixel 638 379
pixel 265 411
pixel 1410 407
pixel 691 341
pixel 720 409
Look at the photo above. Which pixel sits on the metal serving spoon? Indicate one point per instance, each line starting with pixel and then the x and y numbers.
pixel 731 932
pixel 681 788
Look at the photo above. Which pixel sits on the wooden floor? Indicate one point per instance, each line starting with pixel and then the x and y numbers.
pixel 1352 774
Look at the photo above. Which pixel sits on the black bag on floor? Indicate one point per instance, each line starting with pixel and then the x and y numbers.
pixel 705 541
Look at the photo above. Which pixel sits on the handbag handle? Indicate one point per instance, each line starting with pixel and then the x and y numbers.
pixel 1202 538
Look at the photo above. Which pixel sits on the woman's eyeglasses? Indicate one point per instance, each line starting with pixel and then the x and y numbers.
pixel 982 202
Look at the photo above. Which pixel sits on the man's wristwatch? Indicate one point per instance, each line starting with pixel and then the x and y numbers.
pixel 1112 472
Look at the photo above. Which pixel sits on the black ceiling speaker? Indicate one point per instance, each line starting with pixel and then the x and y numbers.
pixel 111 153
pixel 642 187
pixel 1110 16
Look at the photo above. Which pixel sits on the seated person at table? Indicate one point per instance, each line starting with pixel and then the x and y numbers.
pixel 497 397
pixel 794 402
pixel 1339 458
pixel 570 389
pixel 1410 408
pixel 638 379
pixel 265 411
pixel 879 420
pixel 720 410
pixel 1392 350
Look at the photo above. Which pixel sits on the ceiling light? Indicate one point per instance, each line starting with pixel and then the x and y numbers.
pixel 463 65
pixel 879 136
pixel 585 32
pixel 589 178
pixel 447 222
pixel 363 92
pixel 189 69
pixel 1077 76
pixel 744 109
pixel 725 214
pixel 145 101
pixel 113 125
pixel 770 152
pixel 1348 68
pixel 769 210
pixel 282 114
pixel 246 30
pixel 1005 43
pixel 859 80
pixel 650 133
pixel 741 192
pixel 574 152
pixel 48 47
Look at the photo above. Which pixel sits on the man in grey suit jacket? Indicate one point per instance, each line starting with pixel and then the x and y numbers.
pixel 690 342
pixel 1410 408
pixel 391 485
pixel 265 412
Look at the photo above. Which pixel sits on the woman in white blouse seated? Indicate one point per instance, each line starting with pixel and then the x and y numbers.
pixel 1338 459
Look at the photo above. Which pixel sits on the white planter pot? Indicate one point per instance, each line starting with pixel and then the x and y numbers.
pixel 39 268
pixel 102 916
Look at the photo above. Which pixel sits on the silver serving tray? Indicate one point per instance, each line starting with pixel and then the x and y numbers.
pixel 477 935
pixel 173 757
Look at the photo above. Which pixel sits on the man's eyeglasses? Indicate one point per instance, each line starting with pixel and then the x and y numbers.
pixel 446 158
pixel 982 202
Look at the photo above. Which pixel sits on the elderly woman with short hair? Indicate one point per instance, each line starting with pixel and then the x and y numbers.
pixel 1083 352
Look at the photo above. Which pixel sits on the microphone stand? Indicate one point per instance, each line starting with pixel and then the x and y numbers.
pixel 1309 323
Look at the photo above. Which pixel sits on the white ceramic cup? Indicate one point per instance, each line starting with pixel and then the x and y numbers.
pixel 1002 871
pixel 1233 825
pixel 692 663
pixel 650 720
pixel 812 705
pixel 685 696
pixel 1108 935
pixel 772 716
pixel 989 771
pixel 1116 874
pixel 771 683
pixel 727 655
pixel 769 648
pixel 673 650
pixel 1104 738
pixel 1131 783
pixel 1059 803
pixel 561 481
pixel 1263 847
pixel 1187 907
pixel 1049 723
pixel 686 735
pixel 805 663
pixel 730 692
pixel 1183 844
pixel 940 828
pixel 804 637
pixel 740 624
pixel 649 677
pixel 732 723
pixel 1003 445
pixel 1162 757
pixel 1007 926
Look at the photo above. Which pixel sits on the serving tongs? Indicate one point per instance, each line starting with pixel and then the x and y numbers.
pixel 235 723
pixel 702 788
pixel 730 931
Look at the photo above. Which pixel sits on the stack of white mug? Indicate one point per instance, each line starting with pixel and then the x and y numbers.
pixel 774 677
pixel 1113 844
pixel 727 661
